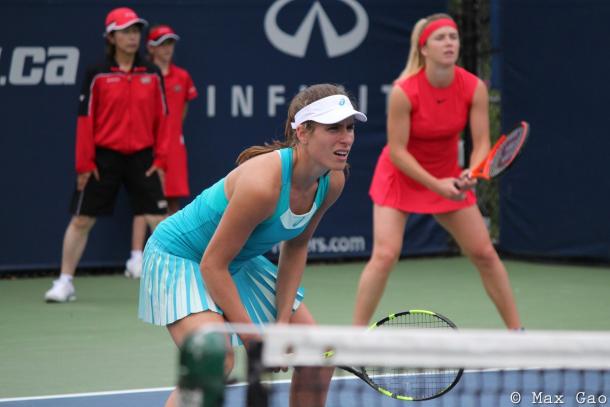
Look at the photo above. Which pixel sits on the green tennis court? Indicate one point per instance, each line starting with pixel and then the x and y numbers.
pixel 97 344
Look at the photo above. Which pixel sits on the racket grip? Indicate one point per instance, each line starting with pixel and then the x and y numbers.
pixel 468 175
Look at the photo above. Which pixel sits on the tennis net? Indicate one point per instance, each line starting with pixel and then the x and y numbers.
pixel 439 367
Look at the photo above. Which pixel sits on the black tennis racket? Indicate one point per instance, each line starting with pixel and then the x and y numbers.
pixel 409 384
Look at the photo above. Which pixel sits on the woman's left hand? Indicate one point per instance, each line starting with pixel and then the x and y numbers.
pixel 280 368
pixel 465 182
pixel 159 171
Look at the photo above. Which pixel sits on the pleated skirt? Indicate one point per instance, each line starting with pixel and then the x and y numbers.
pixel 172 287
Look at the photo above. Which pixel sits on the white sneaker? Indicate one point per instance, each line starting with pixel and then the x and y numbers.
pixel 133 268
pixel 60 292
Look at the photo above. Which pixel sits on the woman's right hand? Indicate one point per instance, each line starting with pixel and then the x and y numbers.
pixel 83 178
pixel 249 339
pixel 448 188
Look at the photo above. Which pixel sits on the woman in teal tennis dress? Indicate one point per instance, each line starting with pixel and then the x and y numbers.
pixel 205 265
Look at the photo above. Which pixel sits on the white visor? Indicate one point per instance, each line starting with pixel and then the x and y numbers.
pixel 328 110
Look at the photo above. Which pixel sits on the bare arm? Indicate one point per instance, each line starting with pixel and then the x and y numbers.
pixel 399 127
pixel 252 198
pixel 479 130
pixel 479 125
pixel 293 253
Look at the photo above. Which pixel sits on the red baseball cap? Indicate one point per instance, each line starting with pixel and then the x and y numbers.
pixel 161 33
pixel 121 18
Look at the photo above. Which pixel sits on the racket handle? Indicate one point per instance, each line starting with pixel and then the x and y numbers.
pixel 468 175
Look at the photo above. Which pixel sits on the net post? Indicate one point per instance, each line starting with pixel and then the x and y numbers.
pixel 257 395
pixel 201 377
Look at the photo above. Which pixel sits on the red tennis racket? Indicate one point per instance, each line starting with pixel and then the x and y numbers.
pixel 503 153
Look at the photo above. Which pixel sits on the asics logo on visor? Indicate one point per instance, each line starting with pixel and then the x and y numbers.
pixel 330 109
pixel 335 44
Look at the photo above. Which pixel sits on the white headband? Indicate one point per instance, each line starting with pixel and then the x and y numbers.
pixel 328 110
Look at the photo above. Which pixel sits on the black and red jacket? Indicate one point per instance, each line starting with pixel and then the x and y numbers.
pixel 121 111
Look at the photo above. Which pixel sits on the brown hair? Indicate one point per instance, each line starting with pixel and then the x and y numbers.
pixel 110 48
pixel 416 60
pixel 302 99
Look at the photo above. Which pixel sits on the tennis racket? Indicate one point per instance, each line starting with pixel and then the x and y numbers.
pixel 409 384
pixel 503 153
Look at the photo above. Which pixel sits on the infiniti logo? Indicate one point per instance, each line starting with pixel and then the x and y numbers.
pixel 335 44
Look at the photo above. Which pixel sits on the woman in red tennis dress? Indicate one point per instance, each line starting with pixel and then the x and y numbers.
pixel 418 169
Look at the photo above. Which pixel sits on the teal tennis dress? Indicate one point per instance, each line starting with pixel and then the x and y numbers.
pixel 171 285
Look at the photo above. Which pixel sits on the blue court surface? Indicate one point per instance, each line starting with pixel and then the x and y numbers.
pixel 476 388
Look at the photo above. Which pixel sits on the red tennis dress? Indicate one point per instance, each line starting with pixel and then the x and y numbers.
pixel 438 116
pixel 179 89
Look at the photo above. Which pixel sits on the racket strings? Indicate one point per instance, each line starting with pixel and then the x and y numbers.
pixel 507 152
pixel 414 382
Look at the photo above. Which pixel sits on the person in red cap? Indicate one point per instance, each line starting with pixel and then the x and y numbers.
pixel 418 170
pixel 179 90
pixel 120 140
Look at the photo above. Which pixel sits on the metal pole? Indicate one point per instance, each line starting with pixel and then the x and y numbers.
pixel 470 54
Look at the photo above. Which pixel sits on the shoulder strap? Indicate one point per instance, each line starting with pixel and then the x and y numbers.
pixel 286 156
pixel 323 183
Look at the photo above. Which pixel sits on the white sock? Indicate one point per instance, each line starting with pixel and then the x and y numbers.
pixel 65 278
pixel 136 254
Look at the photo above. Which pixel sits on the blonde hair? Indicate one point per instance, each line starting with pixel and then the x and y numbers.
pixel 302 99
pixel 416 60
